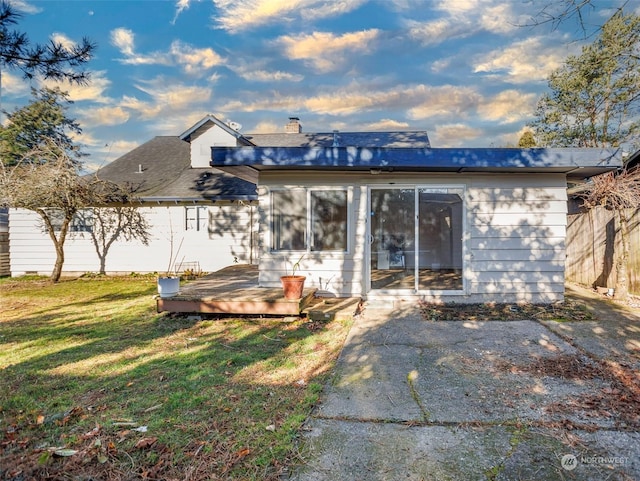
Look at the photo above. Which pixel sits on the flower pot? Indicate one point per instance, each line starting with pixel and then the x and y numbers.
pixel 168 286
pixel 292 286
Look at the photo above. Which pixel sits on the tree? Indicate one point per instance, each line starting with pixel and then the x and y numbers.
pixel 595 102
pixel 595 97
pixel 113 223
pixel 618 191
pixel 47 182
pixel 526 140
pixel 42 171
pixel 556 12
pixel 53 60
pixel 43 119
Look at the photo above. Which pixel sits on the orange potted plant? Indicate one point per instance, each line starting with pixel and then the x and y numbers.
pixel 293 285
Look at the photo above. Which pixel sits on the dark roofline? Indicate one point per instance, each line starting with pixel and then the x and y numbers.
pixel 196 200
pixel 575 163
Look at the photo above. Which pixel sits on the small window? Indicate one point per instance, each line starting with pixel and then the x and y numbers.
pixel 329 220
pixel 196 218
pixel 82 220
pixel 313 220
pixel 289 227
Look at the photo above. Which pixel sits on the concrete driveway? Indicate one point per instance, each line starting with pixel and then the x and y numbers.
pixel 418 400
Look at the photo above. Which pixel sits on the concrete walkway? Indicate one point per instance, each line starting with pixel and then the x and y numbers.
pixel 418 400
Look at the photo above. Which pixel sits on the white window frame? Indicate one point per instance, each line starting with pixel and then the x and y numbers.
pixel 465 260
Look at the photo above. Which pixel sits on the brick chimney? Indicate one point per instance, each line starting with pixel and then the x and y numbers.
pixel 293 127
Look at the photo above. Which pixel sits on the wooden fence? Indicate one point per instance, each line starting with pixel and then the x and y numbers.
pixel 593 242
pixel 5 268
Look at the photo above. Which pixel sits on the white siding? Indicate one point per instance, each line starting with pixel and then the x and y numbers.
pixel 514 239
pixel 517 227
pixel 226 240
pixel 201 145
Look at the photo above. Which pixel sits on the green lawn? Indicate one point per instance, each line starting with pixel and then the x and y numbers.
pixel 94 384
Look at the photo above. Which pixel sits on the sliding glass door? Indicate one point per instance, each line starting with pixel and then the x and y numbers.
pixel 416 238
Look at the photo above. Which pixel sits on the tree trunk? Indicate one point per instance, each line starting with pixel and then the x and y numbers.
pixel 58 242
pixel 622 280
pixel 57 268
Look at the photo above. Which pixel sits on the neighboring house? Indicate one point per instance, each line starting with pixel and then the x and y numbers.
pixel 384 216
pixel 209 215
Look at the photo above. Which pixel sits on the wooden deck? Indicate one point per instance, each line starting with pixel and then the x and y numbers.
pixel 234 290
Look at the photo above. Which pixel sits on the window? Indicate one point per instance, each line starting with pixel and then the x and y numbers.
pixel 82 220
pixel 314 220
pixel 196 218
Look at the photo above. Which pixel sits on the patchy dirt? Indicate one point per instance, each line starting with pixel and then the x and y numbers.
pixel 568 310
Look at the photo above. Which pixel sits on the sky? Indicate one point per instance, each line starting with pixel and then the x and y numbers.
pixel 469 72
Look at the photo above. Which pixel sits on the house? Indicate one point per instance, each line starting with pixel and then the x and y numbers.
pixel 385 216
pixel 381 215
pixel 204 217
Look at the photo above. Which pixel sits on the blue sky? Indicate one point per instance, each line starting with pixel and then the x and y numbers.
pixel 467 71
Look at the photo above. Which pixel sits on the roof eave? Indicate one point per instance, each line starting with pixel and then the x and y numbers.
pixel 247 162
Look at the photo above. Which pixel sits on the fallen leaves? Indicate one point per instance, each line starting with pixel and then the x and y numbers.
pixel 146 443
pixel 619 401
pixel 567 310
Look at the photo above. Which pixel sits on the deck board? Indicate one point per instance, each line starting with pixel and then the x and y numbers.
pixel 233 290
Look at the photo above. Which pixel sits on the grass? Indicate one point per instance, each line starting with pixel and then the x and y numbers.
pixel 94 384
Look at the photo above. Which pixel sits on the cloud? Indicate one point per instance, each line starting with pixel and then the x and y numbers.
pixel 445 101
pixel 498 18
pixel 123 39
pixel 464 18
pixel 194 61
pixel 386 124
pixel 166 99
pixel 63 40
pixel 508 106
pixel 93 90
pixel 104 116
pixel 267 127
pixel 523 61
pixel 269 76
pixel 437 31
pixel 238 15
pixel 420 101
pixel 326 51
pixel 454 135
pixel 25 7
pixel 14 85
pixel 181 5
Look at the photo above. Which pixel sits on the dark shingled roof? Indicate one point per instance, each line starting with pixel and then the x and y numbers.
pixel 160 171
